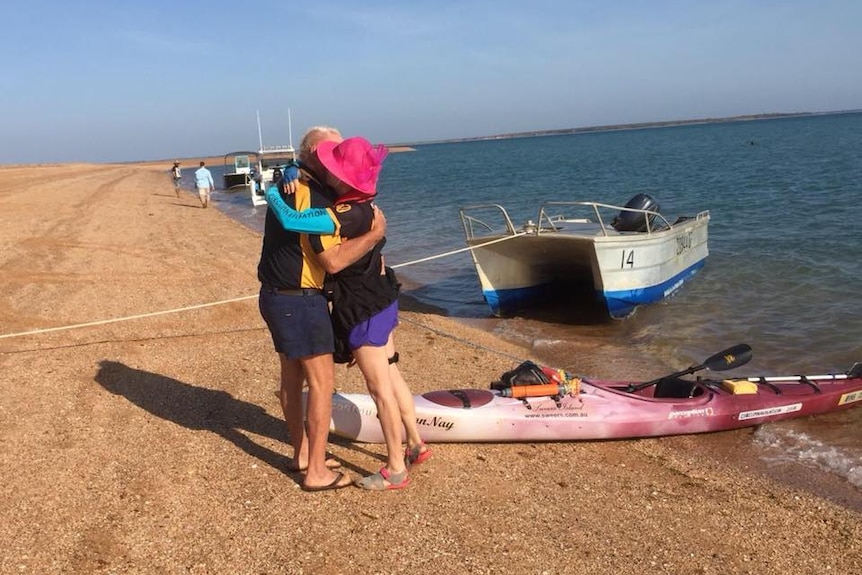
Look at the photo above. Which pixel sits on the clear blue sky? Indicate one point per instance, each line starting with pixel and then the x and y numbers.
pixel 105 81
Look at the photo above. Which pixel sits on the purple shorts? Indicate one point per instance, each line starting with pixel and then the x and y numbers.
pixel 375 330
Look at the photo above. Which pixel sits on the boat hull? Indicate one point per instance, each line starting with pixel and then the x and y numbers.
pixel 600 411
pixel 258 194
pixel 235 182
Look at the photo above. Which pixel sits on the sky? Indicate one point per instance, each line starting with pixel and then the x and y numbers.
pixel 107 81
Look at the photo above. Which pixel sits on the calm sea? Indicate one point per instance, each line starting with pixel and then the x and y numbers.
pixel 783 275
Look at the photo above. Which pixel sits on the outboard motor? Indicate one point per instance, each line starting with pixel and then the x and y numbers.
pixel 636 221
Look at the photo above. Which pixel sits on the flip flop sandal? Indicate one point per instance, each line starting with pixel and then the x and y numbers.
pixel 336 484
pixel 415 455
pixel 379 481
pixel 330 464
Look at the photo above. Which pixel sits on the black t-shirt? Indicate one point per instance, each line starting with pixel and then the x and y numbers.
pixel 286 259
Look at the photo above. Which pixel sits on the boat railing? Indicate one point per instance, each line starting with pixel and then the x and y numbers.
pixel 277 150
pixel 476 218
pixel 472 222
pixel 548 222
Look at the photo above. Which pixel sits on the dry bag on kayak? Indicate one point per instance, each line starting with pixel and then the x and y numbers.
pixel 528 373
pixel 531 380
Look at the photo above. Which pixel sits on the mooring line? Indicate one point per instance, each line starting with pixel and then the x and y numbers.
pixel 226 301
pixel 127 318
pixel 458 251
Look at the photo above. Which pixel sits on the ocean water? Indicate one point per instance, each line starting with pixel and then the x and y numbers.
pixel 783 275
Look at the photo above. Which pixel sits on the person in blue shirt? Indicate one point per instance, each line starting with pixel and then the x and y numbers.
pixel 204 183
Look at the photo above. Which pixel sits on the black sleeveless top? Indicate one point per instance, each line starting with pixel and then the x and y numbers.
pixel 364 288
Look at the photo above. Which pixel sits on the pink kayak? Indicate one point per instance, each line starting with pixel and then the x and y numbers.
pixel 571 409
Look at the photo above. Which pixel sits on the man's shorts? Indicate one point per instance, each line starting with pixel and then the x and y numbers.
pixel 374 331
pixel 299 324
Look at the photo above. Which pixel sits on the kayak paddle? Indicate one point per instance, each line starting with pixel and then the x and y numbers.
pixel 732 357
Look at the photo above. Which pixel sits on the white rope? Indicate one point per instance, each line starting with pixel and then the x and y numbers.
pixel 453 252
pixel 127 318
pixel 225 301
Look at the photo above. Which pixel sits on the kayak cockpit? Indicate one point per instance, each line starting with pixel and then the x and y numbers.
pixel 678 389
pixel 674 388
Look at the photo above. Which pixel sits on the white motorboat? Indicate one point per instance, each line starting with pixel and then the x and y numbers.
pixel 238 170
pixel 271 159
pixel 622 256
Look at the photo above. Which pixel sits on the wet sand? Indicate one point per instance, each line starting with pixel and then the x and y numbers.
pixel 156 445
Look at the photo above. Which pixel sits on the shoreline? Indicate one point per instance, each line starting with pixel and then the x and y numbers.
pixel 156 444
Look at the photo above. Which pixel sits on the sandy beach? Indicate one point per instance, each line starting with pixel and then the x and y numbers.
pixel 156 445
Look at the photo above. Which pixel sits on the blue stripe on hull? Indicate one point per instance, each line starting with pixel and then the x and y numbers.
pixel 619 303
pixel 622 303
pixel 511 299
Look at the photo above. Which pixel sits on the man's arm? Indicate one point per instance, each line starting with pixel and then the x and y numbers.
pixel 338 257
pixel 309 221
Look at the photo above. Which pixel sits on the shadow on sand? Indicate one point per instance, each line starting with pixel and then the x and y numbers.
pixel 200 408
pixel 197 408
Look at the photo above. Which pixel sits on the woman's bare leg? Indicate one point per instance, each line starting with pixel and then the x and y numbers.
pixel 373 361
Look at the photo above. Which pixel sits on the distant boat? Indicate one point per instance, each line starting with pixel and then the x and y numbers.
pixel 270 159
pixel 238 170
pixel 575 248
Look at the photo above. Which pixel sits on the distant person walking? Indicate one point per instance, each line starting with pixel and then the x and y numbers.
pixel 204 183
pixel 177 177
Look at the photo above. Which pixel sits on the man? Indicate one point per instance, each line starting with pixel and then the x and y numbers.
pixel 297 314
pixel 204 183
pixel 177 177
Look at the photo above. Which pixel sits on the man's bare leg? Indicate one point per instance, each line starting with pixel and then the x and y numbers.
pixel 290 396
pixel 320 373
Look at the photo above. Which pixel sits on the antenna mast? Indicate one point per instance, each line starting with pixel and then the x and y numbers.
pixel 289 130
pixel 259 134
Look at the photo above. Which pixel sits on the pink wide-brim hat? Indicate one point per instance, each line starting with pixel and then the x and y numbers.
pixel 354 161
